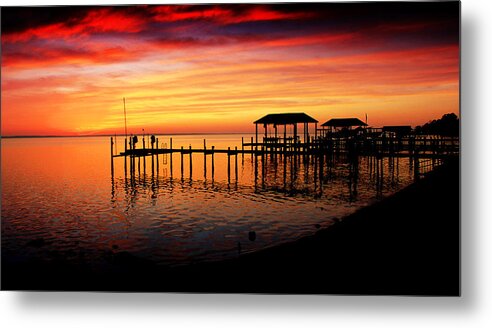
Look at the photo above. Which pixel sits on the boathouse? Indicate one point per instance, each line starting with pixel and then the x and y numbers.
pixel 271 122
pixel 342 125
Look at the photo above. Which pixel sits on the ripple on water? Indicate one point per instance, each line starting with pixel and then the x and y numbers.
pixel 170 221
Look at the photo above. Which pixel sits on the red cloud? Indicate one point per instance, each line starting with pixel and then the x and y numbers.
pixel 32 57
pixel 220 14
pixel 96 21
pixel 105 20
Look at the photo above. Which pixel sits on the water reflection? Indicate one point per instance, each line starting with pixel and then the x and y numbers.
pixel 310 176
pixel 175 209
pixel 273 197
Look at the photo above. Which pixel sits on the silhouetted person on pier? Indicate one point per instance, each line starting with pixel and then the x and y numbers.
pixel 152 140
pixel 135 141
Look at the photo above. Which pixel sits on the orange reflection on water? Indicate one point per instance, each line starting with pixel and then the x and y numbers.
pixel 59 194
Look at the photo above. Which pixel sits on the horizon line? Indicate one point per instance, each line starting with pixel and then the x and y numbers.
pixel 116 134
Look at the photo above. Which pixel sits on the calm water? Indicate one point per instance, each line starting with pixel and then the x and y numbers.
pixel 60 200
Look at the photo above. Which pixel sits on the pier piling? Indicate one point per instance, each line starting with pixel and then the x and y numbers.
pixel 316 154
pixel 229 164
pixel 112 162
pixel 204 159
pixel 213 162
pixel 182 167
pixel 235 167
pixel 191 163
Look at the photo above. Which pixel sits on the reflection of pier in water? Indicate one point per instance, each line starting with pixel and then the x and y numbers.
pixel 278 196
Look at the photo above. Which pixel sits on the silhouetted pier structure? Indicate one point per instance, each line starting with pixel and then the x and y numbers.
pixel 316 145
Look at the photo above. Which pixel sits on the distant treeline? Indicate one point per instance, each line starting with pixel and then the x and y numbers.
pixel 448 125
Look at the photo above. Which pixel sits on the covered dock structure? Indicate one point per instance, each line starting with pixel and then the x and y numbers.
pixel 341 124
pixel 285 120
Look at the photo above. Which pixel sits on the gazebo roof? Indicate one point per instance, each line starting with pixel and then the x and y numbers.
pixel 286 118
pixel 344 122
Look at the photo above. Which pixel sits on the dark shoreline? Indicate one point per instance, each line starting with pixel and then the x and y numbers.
pixel 407 244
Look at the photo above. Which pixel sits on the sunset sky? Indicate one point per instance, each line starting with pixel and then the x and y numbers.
pixel 217 68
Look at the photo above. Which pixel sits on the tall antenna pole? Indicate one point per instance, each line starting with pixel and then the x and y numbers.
pixel 124 108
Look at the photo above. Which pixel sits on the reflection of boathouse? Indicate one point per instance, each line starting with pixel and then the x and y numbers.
pixel 289 132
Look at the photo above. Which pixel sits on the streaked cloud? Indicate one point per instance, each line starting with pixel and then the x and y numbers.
pixel 181 66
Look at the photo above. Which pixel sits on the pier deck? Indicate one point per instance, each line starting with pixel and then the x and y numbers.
pixel 403 147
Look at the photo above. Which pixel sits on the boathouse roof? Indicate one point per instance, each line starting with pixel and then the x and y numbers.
pixel 286 118
pixel 344 122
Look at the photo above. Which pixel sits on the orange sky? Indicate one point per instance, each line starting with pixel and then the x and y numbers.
pixel 219 68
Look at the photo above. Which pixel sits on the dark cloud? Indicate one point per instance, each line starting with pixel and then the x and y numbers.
pixel 333 16
pixel 372 25
pixel 18 19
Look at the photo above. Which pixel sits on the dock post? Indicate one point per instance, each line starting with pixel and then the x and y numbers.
pixel 157 153
pixel 213 162
pixel 262 165
pixel 251 145
pixel 229 164
pixel 182 162
pixel 112 164
pixel 171 145
pixel 236 164
pixel 204 159
pixel 285 171
pixel 132 166
pixel 125 167
pixel 171 164
pixel 131 160
pixel 144 163
pixel 263 168
pixel 191 163
pixel 152 166
pixel 139 166
pixel 242 147
pixel 204 166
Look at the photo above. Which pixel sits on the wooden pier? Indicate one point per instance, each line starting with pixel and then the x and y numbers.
pixel 425 147
pixel 280 139
pixel 424 152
